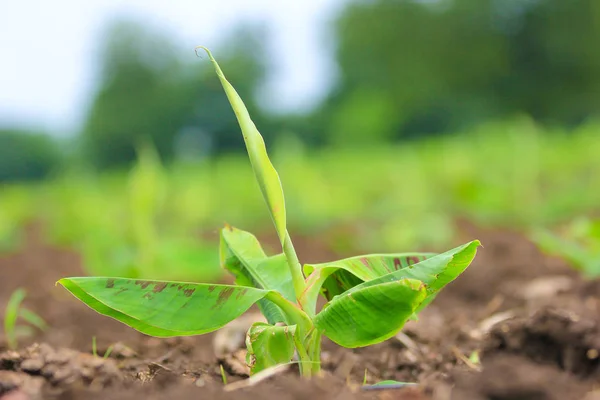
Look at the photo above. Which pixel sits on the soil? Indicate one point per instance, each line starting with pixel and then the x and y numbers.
pixel 517 325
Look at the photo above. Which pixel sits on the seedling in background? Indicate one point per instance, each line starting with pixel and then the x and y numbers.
pixel 578 244
pixel 95 349
pixel 369 298
pixel 137 244
pixel 14 311
pixel 223 375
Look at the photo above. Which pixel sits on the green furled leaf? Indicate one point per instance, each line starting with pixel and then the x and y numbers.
pixel 334 278
pixel 164 308
pixel 369 314
pixel 242 255
pixel 269 345
pixel 265 173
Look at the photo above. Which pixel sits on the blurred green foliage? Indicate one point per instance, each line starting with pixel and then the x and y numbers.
pixel 26 156
pixel 119 223
pixel 384 198
pixel 578 243
pixel 406 69
pixel 513 83
pixel 445 65
pixel 146 91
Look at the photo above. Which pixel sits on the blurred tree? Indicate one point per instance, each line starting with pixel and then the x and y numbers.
pixel 146 91
pixel 554 60
pixel 411 67
pixel 26 155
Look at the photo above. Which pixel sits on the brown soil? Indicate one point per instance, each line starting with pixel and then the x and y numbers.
pixel 533 323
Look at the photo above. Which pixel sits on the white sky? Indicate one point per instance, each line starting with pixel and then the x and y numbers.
pixel 47 49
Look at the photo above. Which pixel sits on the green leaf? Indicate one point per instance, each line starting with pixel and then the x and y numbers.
pixel 164 308
pixel 269 345
pixel 369 314
pixel 435 271
pixel 334 278
pixel 242 255
pixel 265 173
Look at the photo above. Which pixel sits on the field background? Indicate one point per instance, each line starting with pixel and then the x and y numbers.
pixel 441 121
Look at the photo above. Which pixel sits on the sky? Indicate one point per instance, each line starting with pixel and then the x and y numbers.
pixel 48 48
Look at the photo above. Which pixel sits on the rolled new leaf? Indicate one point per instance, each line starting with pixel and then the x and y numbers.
pixel 164 308
pixel 265 173
pixel 370 314
pixel 269 345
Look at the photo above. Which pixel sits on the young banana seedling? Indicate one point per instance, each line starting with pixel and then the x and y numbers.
pixel 369 298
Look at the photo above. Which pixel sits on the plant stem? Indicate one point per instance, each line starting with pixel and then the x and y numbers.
pixel 294 264
pixel 305 361
pixel 314 351
pixel 309 353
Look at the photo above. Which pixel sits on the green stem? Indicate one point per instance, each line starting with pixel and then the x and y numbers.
pixel 309 353
pixel 294 264
pixel 305 361
pixel 314 351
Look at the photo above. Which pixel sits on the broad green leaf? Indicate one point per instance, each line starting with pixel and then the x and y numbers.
pixel 435 271
pixel 265 173
pixel 242 255
pixel 334 278
pixel 269 345
pixel 370 313
pixel 164 308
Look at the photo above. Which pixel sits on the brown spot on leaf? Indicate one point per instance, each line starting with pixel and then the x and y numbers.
pixel 413 260
pixel 211 288
pixel 110 283
pixel 189 292
pixel 224 295
pixel 121 291
pixel 397 263
pixel 143 284
pixel 159 287
pixel 241 293
pixel 365 262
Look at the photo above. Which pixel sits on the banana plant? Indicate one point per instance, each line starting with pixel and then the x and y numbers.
pixel 369 298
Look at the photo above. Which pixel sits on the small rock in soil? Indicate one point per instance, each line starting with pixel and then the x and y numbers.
pixel 509 377
pixel 562 338
pixel 57 367
pixel 236 363
pixel 232 336
pixel 19 384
